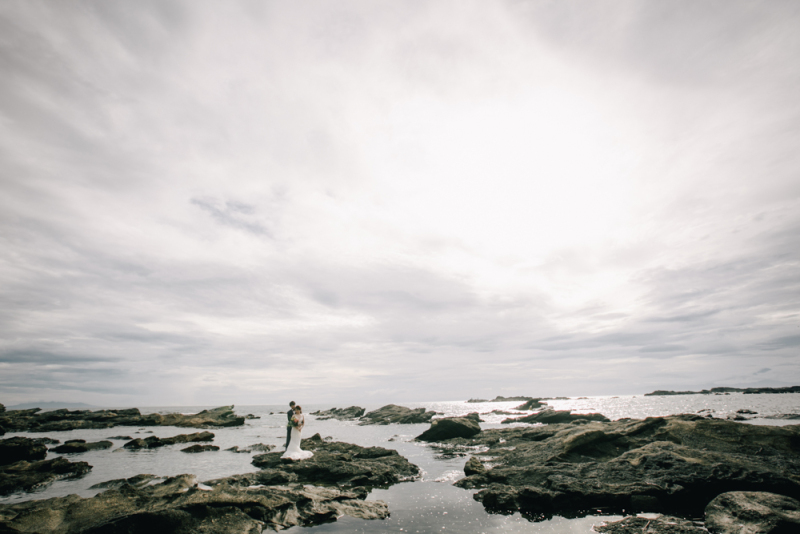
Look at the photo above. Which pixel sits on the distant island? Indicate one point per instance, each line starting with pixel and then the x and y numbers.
pixel 47 406
pixel 723 390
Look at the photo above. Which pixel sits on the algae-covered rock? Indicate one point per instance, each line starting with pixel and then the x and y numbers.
pixel 752 512
pixel 391 413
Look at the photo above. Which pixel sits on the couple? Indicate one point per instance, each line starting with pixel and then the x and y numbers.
pixel 293 429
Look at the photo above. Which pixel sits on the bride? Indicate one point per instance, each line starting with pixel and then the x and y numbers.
pixel 293 451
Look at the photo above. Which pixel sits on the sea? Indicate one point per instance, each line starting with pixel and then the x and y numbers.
pixel 428 504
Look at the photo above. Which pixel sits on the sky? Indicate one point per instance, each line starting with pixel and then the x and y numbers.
pixel 364 202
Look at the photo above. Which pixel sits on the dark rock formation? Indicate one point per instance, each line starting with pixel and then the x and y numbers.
pixel 716 391
pixel 200 448
pixel 46 441
pixel 342 414
pixel 474 467
pixel 35 420
pixel 785 416
pixel 450 427
pixel 391 413
pixel 16 449
pixel 181 506
pixel 532 404
pixel 79 445
pixel 551 416
pixel 333 463
pixel 126 438
pixel 251 416
pixel 25 476
pixel 660 525
pixel 753 513
pixel 675 464
pixel 154 442
pixel 256 447
pixel 500 398
pixel 475 416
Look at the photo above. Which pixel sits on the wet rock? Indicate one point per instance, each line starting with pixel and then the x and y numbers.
pixel 251 416
pixel 180 505
pixel 153 442
pixel 752 512
pixel 785 416
pixel 675 464
pixel 475 416
pixel 79 445
pixel 127 438
pixel 532 404
pixel 256 447
pixel 46 441
pixel 391 413
pixel 200 448
pixel 746 412
pixel 15 449
pixel 659 525
pixel 474 467
pixel 342 414
pixel 551 416
pixel 34 420
pixel 450 427
pixel 26 476
pixel 338 463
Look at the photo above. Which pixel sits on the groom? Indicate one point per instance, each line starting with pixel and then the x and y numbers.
pixel 289 416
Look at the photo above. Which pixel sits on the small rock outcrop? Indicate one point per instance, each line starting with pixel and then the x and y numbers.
pixel 17 449
pixel 78 445
pixel 26 476
pixel 500 398
pixel 450 427
pixel 34 420
pixel 659 525
pixel 256 447
pixel 154 442
pixel 334 462
pixel 532 404
pixel 474 467
pixel 180 505
pixel 550 417
pixel 342 414
pixel 391 413
pixel 200 448
pixel 752 512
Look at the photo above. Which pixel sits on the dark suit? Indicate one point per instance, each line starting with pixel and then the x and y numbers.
pixel 289 416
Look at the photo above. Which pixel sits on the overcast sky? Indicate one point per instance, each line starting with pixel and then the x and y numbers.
pixel 379 201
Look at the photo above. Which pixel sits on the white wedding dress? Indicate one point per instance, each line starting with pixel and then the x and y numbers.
pixel 294 451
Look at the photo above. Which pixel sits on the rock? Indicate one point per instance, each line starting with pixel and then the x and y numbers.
pixel 2 408
pixel 180 505
pixel 474 467
pixel 25 476
pixel 752 512
pixel 659 525
pixel 333 462
pixel 500 398
pixel 450 427
pixel 532 404
pixel 551 416
pixel 673 465
pixel 256 447
pixel 475 416
pixel 785 416
pixel 13 450
pixel 79 445
pixel 127 438
pixel 154 442
pixel 200 448
pixel 34 420
pixel 727 390
pixel 342 414
pixel 391 413
pixel 746 412
pixel 46 441
pixel 251 416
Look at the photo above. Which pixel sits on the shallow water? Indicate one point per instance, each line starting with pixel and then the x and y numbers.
pixel 430 504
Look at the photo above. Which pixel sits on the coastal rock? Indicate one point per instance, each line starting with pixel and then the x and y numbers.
pixel 78 445
pixel 727 390
pixel 474 467
pixel 675 464
pixel 643 525
pixel 342 414
pixel 16 449
pixel 256 447
pixel 532 404
pixel 334 462
pixel 784 416
pixel 180 505
pixel 391 413
pixel 450 427
pixel 34 420
pixel 752 512
pixel 500 398
pixel 127 438
pixel 475 416
pixel 550 416
pixel 26 476
pixel 200 448
pixel 154 442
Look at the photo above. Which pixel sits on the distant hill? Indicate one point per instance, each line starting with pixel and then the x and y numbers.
pixel 47 406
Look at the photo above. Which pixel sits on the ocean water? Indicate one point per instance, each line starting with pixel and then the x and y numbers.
pixel 429 504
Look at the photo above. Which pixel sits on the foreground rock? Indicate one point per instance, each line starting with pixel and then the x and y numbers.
pixel 333 463
pixel 154 442
pixel 450 427
pixel 16 449
pixel 752 512
pixel 391 413
pixel 550 416
pixel 35 420
pixel 675 464
pixel 79 445
pixel 27 476
pixel 342 414
pixel 659 525
pixel 180 505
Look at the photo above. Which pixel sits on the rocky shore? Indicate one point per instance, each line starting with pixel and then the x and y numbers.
pixel 724 390
pixel 34 420
pixel 23 466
